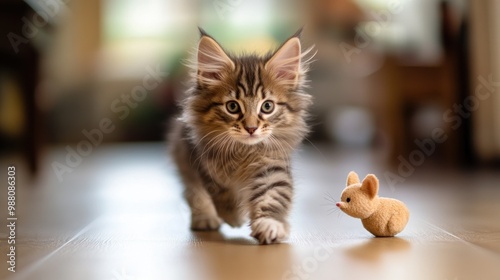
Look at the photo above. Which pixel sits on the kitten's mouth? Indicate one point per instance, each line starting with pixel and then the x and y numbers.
pixel 250 139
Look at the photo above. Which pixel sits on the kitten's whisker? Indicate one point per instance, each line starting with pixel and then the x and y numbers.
pixel 317 149
pixel 281 149
pixel 199 141
pixel 214 148
pixel 208 148
pixel 224 154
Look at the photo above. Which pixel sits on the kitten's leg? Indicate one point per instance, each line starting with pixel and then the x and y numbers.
pixel 227 206
pixel 203 213
pixel 270 200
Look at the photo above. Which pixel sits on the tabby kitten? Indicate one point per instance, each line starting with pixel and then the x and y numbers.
pixel 242 119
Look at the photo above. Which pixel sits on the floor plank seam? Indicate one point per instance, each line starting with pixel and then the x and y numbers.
pixel 32 267
pixel 470 244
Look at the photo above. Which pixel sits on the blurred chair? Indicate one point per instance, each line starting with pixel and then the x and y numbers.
pixel 22 65
pixel 410 87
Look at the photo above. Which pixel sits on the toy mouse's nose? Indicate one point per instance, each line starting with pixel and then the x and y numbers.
pixel 338 204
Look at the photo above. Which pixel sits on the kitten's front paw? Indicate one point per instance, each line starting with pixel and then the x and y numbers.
pixel 268 230
pixel 205 222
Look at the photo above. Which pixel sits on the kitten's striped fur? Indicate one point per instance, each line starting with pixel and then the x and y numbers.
pixel 235 163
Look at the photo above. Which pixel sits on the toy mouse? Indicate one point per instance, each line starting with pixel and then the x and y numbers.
pixel 383 217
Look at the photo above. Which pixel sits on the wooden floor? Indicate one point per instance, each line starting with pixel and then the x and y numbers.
pixel 119 215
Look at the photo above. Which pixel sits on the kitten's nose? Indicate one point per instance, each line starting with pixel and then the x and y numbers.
pixel 338 204
pixel 251 129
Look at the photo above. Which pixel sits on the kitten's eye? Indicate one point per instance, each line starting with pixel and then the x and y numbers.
pixel 267 107
pixel 348 200
pixel 232 107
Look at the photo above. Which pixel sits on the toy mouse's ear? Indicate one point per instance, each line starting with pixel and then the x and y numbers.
pixel 370 185
pixel 352 178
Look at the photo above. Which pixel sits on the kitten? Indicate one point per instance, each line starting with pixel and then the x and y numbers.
pixel 242 119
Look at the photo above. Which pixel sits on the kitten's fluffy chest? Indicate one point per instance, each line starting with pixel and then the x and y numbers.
pixel 238 170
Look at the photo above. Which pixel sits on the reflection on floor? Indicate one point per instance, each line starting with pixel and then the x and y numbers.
pixel 119 215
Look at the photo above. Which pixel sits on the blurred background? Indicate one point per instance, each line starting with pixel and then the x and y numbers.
pixel 402 78
pixel 405 89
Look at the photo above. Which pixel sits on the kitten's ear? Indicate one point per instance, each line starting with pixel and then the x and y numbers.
pixel 298 33
pixel 370 185
pixel 284 65
pixel 202 32
pixel 352 178
pixel 211 60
